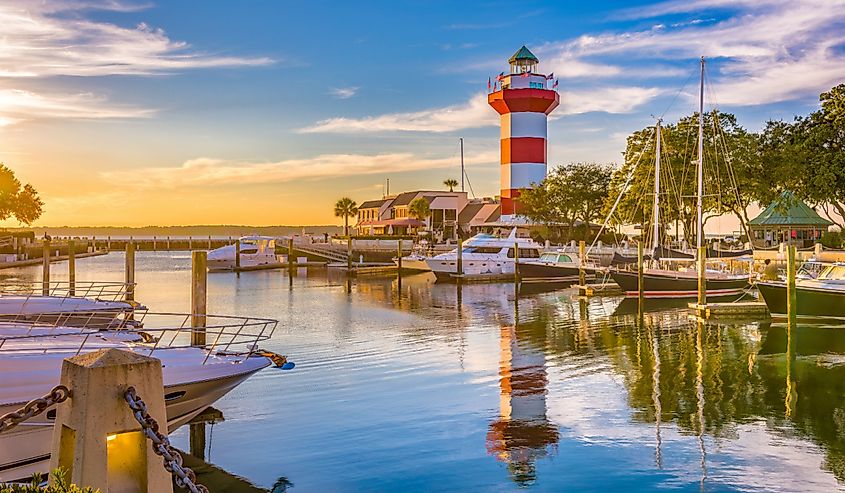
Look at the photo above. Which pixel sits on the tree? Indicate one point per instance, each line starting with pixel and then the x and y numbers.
pixel 451 183
pixel 568 193
pixel 345 208
pixel 20 202
pixel 419 209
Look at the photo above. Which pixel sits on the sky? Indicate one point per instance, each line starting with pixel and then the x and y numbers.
pixel 266 112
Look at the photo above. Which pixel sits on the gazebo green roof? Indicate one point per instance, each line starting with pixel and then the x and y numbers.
pixel 788 211
pixel 523 54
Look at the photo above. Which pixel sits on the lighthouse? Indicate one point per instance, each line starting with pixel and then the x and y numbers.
pixel 523 102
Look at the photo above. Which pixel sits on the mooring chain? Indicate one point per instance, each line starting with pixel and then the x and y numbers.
pixel 185 477
pixel 60 393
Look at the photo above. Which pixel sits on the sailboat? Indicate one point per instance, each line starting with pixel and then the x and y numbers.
pixel 658 282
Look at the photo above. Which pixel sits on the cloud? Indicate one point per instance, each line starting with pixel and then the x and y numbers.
pixel 765 51
pixel 343 92
pixel 40 39
pixel 476 113
pixel 17 105
pixel 203 172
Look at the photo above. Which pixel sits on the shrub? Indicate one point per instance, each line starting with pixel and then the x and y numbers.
pixel 61 486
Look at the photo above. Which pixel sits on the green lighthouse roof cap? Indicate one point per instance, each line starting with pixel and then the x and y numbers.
pixel 523 54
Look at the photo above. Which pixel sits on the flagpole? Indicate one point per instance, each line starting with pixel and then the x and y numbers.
pixel 462 164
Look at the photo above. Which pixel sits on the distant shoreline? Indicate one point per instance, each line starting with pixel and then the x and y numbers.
pixel 198 231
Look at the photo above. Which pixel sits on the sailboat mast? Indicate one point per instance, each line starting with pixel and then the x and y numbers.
pixel 462 164
pixel 656 209
pixel 699 235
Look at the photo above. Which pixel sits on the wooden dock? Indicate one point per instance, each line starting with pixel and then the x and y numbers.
pixel 40 261
pixel 480 278
pixel 738 309
pixel 271 266
pixel 366 268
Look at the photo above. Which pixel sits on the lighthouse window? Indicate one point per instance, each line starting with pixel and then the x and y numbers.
pixel 536 85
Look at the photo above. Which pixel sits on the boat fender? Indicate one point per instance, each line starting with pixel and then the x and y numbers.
pixel 278 360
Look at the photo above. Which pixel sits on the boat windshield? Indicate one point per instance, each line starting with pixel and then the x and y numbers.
pixel 564 258
pixel 833 272
pixel 548 257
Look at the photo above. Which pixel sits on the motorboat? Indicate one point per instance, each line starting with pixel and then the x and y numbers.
pixel 416 260
pixel 255 252
pixel 671 283
pixel 485 255
pixel 93 304
pixel 194 376
pixel 556 266
pixel 817 298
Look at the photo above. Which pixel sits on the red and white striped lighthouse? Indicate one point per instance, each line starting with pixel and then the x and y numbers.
pixel 523 102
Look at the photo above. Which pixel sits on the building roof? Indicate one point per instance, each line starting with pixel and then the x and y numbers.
pixel 469 212
pixel 373 204
pixel 404 198
pixel 523 54
pixel 786 210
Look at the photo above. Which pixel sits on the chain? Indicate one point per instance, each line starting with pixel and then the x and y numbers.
pixel 60 393
pixel 184 476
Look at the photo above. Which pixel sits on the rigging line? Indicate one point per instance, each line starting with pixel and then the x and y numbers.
pixel 615 204
pixel 675 98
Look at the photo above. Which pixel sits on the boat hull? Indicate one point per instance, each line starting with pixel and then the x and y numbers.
pixel 811 302
pixel 413 264
pixel 537 272
pixel 675 286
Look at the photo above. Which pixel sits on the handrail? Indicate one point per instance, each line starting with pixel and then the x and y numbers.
pixel 101 290
pixel 225 331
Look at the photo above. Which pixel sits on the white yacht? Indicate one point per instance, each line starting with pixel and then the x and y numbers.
pixel 93 304
pixel 256 251
pixel 485 254
pixel 194 377
pixel 416 260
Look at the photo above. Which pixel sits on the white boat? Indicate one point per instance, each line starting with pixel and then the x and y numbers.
pixel 416 261
pixel 93 304
pixel 485 255
pixel 194 377
pixel 256 251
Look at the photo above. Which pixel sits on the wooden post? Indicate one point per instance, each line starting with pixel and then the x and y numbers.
pixel 96 438
pixel 168 243
pixel 154 243
pixel 199 296
pixel 238 255
pixel 791 294
pixel 640 270
pixel 190 243
pixel 71 267
pixel 129 271
pixel 460 258
pixel 209 242
pixel 291 256
pixel 399 261
pixel 108 243
pixel 45 270
pixel 582 253
pixel 516 263
pixel 702 279
pixel 196 440
pixel 349 255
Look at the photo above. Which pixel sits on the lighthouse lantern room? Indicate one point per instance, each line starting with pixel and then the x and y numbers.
pixel 523 102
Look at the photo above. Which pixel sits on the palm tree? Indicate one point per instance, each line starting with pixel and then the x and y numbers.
pixel 345 208
pixel 419 209
pixel 451 183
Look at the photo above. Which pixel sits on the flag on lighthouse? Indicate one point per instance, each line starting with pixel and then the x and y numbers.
pixel 488 84
pixel 554 86
pixel 550 76
pixel 500 77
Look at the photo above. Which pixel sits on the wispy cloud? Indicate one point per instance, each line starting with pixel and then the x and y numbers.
pixel 42 40
pixel 17 105
pixel 343 92
pixel 476 113
pixel 766 50
pixel 213 172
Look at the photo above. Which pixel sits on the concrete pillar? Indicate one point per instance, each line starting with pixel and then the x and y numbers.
pixel 199 296
pixel 71 267
pixel 45 268
pixel 96 438
pixel 129 271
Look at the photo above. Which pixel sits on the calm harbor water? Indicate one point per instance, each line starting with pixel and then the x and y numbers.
pixel 428 389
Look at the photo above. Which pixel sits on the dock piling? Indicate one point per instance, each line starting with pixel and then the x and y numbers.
pixel 640 270
pixel 349 254
pixel 129 271
pixel 199 296
pixel 238 256
pixel 399 263
pixel 702 279
pixel 791 294
pixel 71 267
pixel 45 269
pixel 582 252
pixel 460 257
pixel 96 437
pixel 516 263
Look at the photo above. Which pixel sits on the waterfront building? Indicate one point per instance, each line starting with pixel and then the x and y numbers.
pixel 392 215
pixel 787 220
pixel 523 100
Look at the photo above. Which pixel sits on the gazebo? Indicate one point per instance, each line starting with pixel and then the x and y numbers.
pixel 787 220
